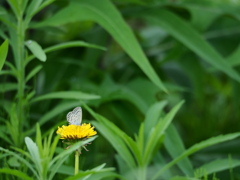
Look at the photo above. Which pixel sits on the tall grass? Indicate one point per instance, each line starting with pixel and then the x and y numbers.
pixel 130 65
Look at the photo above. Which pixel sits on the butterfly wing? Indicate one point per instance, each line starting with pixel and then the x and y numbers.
pixel 75 116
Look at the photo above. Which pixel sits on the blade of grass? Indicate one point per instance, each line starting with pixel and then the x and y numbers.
pixel 22 160
pixel 34 152
pixel 152 116
pixel 183 178
pixel 33 72
pixel 197 147
pixel 3 53
pixel 15 172
pixel 66 95
pixel 183 32
pixel 36 49
pixel 217 166
pixel 157 132
pixel 68 45
pixel 116 140
pixel 15 7
pixel 175 147
pixel 32 9
pixel 104 13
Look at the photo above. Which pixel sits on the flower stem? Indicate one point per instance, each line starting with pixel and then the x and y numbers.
pixel 77 153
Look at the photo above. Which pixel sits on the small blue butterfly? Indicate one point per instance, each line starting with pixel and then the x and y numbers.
pixel 75 116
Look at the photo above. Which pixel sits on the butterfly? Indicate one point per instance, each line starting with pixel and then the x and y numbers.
pixel 75 116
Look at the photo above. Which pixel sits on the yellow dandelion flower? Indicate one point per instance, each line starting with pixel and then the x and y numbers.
pixel 75 132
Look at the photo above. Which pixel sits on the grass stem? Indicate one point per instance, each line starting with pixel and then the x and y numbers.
pixel 77 154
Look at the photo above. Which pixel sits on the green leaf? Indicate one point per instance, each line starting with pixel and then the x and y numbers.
pixel 39 140
pixel 15 7
pixel 4 18
pixel 197 147
pixel 32 9
pixel 183 32
pixel 117 92
pixel 68 45
pixel 175 147
pixel 34 152
pixel 8 87
pixel 36 49
pixel 216 166
pixel 96 173
pixel 202 16
pixel 45 3
pixel 21 159
pixel 114 135
pixel 73 44
pixel 67 95
pixel 152 116
pixel 234 58
pixel 136 150
pixel 59 159
pixel 116 138
pixel 183 178
pixel 104 13
pixel 3 53
pixel 33 72
pixel 15 173
pixel 13 162
pixel 156 133
pixel 24 4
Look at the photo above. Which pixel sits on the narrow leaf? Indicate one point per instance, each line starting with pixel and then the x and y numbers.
pixel 152 116
pixel 174 145
pixel 32 8
pixel 36 49
pixel 234 58
pixel 156 133
pixel 21 159
pixel 15 7
pixel 15 173
pixel 114 135
pixel 45 3
pixel 33 72
pixel 216 166
pixel 182 31
pixel 104 13
pixel 73 44
pixel 183 178
pixel 8 87
pixel 3 53
pixel 68 45
pixel 33 149
pixel 116 139
pixel 197 147
pixel 67 95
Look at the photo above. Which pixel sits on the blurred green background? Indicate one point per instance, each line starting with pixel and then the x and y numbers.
pixel 193 47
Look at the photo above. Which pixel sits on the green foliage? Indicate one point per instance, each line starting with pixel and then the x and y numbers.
pixel 104 13
pixel 130 64
pixel 42 162
pixel 36 49
pixel 3 53
pixel 182 31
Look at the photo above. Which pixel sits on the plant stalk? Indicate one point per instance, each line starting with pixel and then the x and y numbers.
pixel 142 173
pixel 77 154
pixel 21 75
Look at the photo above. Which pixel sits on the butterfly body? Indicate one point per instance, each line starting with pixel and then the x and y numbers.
pixel 75 117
